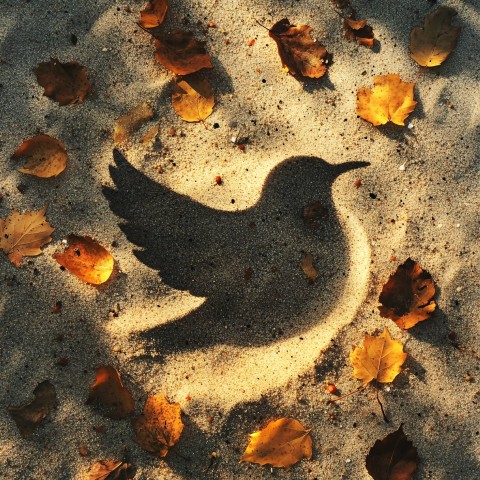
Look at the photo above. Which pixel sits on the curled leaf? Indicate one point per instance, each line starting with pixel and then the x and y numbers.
pixel 358 30
pixel 127 124
pixel 192 99
pixel 407 297
pixel 86 259
pixel 391 100
pixel 153 14
pixel 282 443
pixel 46 156
pixel 108 470
pixel 66 83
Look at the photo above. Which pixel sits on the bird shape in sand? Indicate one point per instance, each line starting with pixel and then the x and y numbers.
pixel 246 263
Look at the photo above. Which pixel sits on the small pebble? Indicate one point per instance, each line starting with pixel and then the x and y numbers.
pixel 459 289
pixel 410 126
pixel 457 225
pixel 104 49
pixel 401 168
pixel 117 348
pixel 348 460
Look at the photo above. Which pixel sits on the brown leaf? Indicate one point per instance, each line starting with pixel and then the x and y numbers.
pixel 108 390
pixel 30 416
pixel 23 234
pixel 407 297
pixel 380 358
pixel 393 458
pixel 86 259
pixel 66 83
pixel 153 14
pixel 192 98
pixel 282 443
pixel 431 45
pixel 126 125
pixel 107 470
pixel 358 30
pixel 309 269
pixel 391 100
pixel 299 52
pixel 159 427
pixel 313 212
pixel 46 156
pixel 180 52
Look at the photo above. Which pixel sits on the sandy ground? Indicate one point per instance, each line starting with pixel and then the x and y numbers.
pixel 235 354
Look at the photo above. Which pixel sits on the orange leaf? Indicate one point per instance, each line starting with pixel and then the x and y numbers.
pixel 22 234
pixel 282 443
pixel 391 100
pixel 160 426
pixel 380 358
pixel 127 124
pixel 407 297
pixel 86 259
pixel 107 470
pixel 108 390
pixel 153 14
pixel 309 269
pixel 66 83
pixel 192 98
pixel 358 30
pixel 46 156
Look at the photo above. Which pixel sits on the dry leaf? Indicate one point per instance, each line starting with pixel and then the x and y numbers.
pixel 23 234
pixel 46 156
pixel 358 30
pixel 313 213
pixel 66 83
pixel 380 358
pixel 181 53
pixel 309 269
pixel 281 443
pixel 407 297
pixel 153 14
pixel 129 123
pixel 299 52
pixel 150 135
pixel 192 99
pixel 107 470
pixel 86 259
pixel 160 426
pixel 30 416
pixel 393 458
pixel 431 45
pixel 109 391
pixel 391 100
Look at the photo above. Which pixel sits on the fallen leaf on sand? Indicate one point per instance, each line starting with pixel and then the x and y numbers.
pixel 159 427
pixel 107 470
pixel 192 99
pixel 46 156
pixel 380 358
pixel 393 458
pixel 30 416
pixel 86 259
pixel 358 30
pixel 126 125
pixel 282 443
pixel 108 390
pixel 313 213
pixel 431 45
pixel 66 83
pixel 407 297
pixel 299 52
pixel 309 269
pixel 391 100
pixel 23 234
pixel 153 14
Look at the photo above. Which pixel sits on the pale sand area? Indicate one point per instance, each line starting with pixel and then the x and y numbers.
pixel 234 354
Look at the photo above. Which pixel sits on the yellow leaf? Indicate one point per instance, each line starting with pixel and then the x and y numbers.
pixel 22 234
pixel 129 123
pixel 391 100
pixel 193 99
pixel 282 443
pixel 380 358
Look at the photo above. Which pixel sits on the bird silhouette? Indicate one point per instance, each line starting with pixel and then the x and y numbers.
pixel 246 263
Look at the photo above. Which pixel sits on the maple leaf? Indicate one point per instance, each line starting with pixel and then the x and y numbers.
pixel 192 98
pixel 393 458
pixel 108 390
pixel 30 416
pixel 46 156
pixel 108 470
pixel 407 297
pixel 23 234
pixel 431 45
pixel 127 124
pixel 282 443
pixel 299 52
pixel 153 14
pixel 66 83
pixel 358 30
pixel 86 259
pixel 380 358
pixel 159 427
pixel 309 269
pixel 391 100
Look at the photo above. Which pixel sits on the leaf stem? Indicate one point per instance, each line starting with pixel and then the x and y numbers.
pixel 263 26
pixel 381 406
pixel 363 387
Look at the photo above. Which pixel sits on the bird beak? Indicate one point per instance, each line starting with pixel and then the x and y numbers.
pixel 347 166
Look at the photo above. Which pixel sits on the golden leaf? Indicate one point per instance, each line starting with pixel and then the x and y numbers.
pixel 192 99
pixel 108 470
pixel 153 14
pixel 391 100
pixel 281 443
pixel 129 123
pixel 380 358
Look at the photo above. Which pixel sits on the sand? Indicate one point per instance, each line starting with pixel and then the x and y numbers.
pixel 235 353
